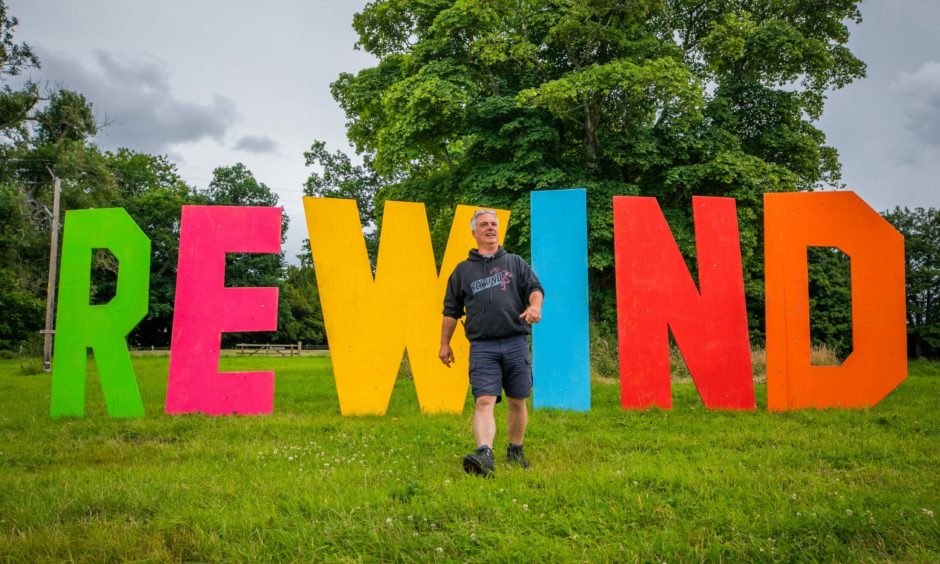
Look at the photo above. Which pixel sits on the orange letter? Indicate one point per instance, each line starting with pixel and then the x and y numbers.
pixel 878 362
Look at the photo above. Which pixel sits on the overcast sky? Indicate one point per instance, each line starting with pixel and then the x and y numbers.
pixel 215 82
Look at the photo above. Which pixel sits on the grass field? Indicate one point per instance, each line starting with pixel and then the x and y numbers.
pixel 308 484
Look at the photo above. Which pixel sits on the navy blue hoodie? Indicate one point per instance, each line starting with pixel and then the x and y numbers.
pixel 494 290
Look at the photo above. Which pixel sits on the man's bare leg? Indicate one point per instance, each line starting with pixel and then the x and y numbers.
pixel 518 417
pixel 484 423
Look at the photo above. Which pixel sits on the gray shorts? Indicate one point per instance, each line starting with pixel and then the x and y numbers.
pixel 497 364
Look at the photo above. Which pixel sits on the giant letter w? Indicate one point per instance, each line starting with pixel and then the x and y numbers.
pixel 371 320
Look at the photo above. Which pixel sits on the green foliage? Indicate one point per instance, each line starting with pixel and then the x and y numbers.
pixel 921 230
pixel 39 136
pixel 483 101
pixel 830 299
pixel 338 177
pixel 66 116
pixel 301 298
pixel 154 194
pixel 22 290
pixel 14 57
pixel 15 105
pixel 45 136
pixel 22 311
pixel 305 484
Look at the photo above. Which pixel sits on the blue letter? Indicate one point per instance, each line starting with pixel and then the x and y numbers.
pixel 560 343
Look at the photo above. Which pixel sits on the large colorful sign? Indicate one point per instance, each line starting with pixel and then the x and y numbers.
pixel 373 319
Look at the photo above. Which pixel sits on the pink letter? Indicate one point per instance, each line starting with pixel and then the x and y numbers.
pixel 205 309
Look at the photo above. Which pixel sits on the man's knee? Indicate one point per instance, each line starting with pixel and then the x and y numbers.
pixel 517 403
pixel 485 402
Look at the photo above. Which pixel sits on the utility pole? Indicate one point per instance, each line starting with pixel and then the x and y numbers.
pixel 48 332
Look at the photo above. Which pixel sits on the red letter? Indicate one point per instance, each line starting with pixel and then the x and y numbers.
pixel 205 309
pixel 655 291
pixel 878 362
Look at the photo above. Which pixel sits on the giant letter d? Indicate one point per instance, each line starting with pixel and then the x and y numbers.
pixel 878 361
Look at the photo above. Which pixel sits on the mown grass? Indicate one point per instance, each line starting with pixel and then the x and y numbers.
pixel 308 484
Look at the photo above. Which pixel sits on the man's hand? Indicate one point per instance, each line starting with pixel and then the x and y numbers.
pixel 446 355
pixel 448 324
pixel 531 315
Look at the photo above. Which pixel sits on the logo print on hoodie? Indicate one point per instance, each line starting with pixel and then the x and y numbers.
pixel 497 277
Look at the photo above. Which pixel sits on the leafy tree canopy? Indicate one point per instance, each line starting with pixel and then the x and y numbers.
pixel 485 100
pixel 921 230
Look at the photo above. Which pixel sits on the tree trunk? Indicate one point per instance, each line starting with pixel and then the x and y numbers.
pixel 591 111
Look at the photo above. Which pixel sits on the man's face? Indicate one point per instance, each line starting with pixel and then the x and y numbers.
pixel 487 231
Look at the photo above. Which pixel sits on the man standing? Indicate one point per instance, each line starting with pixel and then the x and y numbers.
pixel 502 298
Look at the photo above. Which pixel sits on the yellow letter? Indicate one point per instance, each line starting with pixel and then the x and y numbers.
pixel 370 322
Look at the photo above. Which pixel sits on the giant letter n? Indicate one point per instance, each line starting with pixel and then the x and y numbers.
pixel 205 309
pixel 656 291
pixel 102 327
pixel 878 362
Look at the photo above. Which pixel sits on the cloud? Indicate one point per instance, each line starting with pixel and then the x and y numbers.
pixel 134 96
pixel 256 144
pixel 920 91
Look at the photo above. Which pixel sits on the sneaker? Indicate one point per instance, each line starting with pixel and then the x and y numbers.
pixel 515 456
pixel 479 462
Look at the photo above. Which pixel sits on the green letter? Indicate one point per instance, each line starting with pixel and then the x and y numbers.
pixel 103 328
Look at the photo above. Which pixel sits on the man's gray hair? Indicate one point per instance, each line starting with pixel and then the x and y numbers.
pixel 478 213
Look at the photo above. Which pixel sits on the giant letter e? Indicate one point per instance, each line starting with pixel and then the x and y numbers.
pixel 205 309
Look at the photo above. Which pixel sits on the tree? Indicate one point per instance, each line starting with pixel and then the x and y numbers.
pixel 486 100
pixel 15 105
pixel 830 299
pixel 38 135
pixel 154 194
pixel 338 177
pixel 20 301
pixel 52 134
pixel 921 230
pixel 299 294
